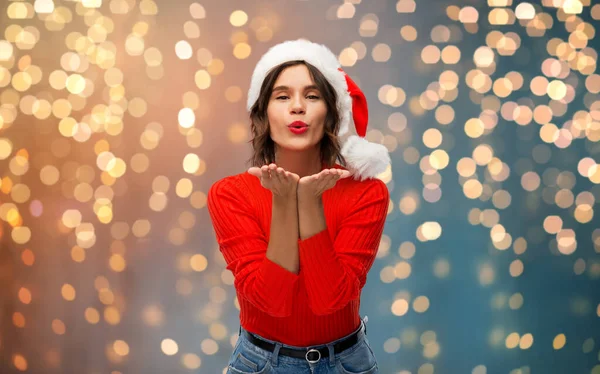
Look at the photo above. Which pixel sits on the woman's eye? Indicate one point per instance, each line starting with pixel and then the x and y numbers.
pixel 316 97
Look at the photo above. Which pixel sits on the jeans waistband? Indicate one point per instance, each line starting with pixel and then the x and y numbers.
pixel 360 331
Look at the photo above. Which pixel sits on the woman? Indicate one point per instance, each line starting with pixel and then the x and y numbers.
pixel 299 234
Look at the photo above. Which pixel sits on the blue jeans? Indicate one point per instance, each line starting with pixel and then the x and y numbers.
pixel 250 359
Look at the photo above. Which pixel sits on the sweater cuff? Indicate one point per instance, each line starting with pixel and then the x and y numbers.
pixel 317 241
pixel 276 275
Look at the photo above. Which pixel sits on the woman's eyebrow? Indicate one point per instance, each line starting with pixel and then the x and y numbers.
pixel 284 88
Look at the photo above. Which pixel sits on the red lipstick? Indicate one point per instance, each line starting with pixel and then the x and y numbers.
pixel 298 127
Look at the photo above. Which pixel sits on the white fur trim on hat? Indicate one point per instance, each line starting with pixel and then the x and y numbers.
pixel 315 54
pixel 365 159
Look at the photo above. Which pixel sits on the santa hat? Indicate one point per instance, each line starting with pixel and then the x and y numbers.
pixel 365 160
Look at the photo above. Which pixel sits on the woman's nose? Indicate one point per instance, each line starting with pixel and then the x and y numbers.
pixel 297 105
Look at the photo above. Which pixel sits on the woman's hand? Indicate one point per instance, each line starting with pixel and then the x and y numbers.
pixel 280 182
pixel 313 186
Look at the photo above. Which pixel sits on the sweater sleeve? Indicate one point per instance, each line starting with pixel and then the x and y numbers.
pixel 335 272
pixel 262 282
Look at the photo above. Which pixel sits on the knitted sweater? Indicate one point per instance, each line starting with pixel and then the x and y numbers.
pixel 321 303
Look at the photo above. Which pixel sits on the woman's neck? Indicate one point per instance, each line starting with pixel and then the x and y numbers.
pixel 303 163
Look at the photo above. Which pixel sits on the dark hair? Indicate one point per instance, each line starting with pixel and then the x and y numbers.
pixel 264 146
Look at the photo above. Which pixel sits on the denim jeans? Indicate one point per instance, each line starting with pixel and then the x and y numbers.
pixel 250 359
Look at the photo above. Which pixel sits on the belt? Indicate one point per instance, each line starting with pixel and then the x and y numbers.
pixel 312 355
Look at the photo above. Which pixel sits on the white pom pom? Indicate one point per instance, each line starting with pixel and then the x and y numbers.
pixel 365 160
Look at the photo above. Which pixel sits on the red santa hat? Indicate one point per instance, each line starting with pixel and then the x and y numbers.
pixel 365 160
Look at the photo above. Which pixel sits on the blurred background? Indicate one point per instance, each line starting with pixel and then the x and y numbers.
pixel 117 116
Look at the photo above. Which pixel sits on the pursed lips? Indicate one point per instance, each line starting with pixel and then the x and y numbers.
pixel 297 124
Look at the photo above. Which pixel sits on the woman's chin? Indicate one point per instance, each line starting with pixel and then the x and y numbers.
pixel 297 146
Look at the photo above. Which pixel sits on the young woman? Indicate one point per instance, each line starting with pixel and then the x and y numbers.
pixel 298 230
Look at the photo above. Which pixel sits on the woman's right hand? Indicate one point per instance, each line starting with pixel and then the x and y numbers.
pixel 280 182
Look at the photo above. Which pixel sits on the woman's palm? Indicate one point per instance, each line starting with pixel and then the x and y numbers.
pixel 279 181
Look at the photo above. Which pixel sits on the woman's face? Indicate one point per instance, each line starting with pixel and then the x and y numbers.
pixel 295 97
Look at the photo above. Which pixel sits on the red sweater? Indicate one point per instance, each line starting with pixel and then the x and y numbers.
pixel 321 303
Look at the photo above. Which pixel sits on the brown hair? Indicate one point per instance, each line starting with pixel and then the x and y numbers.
pixel 264 146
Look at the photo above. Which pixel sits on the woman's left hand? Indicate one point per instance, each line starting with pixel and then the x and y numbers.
pixel 313 186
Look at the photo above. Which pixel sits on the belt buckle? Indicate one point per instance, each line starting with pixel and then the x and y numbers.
pixel 311 350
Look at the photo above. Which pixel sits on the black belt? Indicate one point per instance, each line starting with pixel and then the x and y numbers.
pixel 310 354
